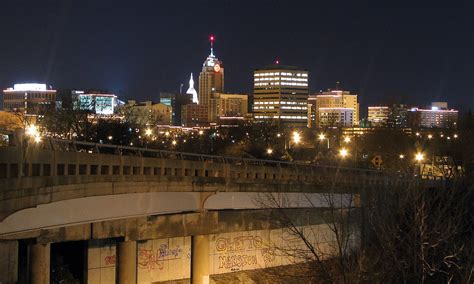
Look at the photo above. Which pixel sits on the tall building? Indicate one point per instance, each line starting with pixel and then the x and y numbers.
pixel 194 115
pixel 438 116
pixel 191 91
pixel 398 117
pixel 378 115
pixel 176 102
pixel 337 108
pixel 149 113
pixel 211 78
pixel 312 111
pixel 280 95
pixel 228 105
pixel 100 103
pixel 31 99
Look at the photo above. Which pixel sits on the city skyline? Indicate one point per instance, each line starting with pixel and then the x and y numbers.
pixel 421 60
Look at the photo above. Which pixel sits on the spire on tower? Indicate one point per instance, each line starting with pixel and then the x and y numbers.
pixel 211 39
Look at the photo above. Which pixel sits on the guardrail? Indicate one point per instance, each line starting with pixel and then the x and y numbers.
pixel 58 158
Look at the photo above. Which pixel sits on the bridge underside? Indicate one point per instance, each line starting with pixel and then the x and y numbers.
pixel 227 241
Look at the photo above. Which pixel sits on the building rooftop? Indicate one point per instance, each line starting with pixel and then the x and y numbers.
pixel 280 67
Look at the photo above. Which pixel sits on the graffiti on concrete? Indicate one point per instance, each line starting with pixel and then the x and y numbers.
pixel 237 262
pixel 151 259
pixel 238 243
pixel 110 259
pixel 242 252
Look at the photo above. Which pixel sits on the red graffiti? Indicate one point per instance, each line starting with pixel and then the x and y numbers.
pixel 110 260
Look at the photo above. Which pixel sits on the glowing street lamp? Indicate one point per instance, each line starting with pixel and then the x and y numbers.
pixel 32 130
pixel 401 156
pixel 347 139
pixel 269 151
pixel 321 137
pixel 296 137
pixel 419 157
pixel 455 136
pixel 174 142
pixel 148 132
pixel 37 139
pixel 430 136
pixel 201 132
pixel 343 152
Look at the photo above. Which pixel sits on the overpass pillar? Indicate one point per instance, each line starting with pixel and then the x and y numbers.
pixel 9 261
pixel 127 262
pixel 39 260
pixel 200 259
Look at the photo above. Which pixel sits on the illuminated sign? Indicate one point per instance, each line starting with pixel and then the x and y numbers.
pixel 217 68
pixel 29 87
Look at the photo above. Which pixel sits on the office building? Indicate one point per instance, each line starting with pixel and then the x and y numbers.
pixel 438 116
pixel 398 117
pixel 148 113
pixel 280 95
pixel 32 99
pixel 378 115
pixel 312 111
pixel 176 102
pixel 194 115
pixel 227 105
pixel 211 78
pixel 337 108
pixel 99 103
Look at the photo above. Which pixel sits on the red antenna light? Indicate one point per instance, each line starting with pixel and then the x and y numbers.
pixel 211 38
pixel 277 61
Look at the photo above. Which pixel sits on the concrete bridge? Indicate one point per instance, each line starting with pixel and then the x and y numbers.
pixel 140 210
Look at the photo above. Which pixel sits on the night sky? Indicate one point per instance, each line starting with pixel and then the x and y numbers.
pixel 414 52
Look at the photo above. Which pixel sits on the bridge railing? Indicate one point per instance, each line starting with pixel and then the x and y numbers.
pixel 76 159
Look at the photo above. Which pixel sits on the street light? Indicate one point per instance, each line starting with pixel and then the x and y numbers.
pixel 347 139
pixel 201 132
pixel 32 130
pixel 419 157
pixel 343 152
pixel 401 156
pixel 174 142
pixel 455 136
pixel 296 137
pixel 269 151
pixel 430 136
pixel 321 137
pixel 148 132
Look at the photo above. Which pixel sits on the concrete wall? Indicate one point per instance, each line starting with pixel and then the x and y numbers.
pixel 101 262
pixel 248 250
pixel 164 260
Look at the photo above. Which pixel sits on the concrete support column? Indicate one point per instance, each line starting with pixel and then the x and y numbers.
pixel 127 262
pixel 200 260
pixel 9 261
pixel 39 263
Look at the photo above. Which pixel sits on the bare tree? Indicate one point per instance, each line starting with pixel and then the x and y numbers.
pixel 398 234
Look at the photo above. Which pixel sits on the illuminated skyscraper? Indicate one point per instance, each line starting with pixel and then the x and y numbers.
pixel 280 95
pixel 32 99
pixel 211 78
pixel 337 108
